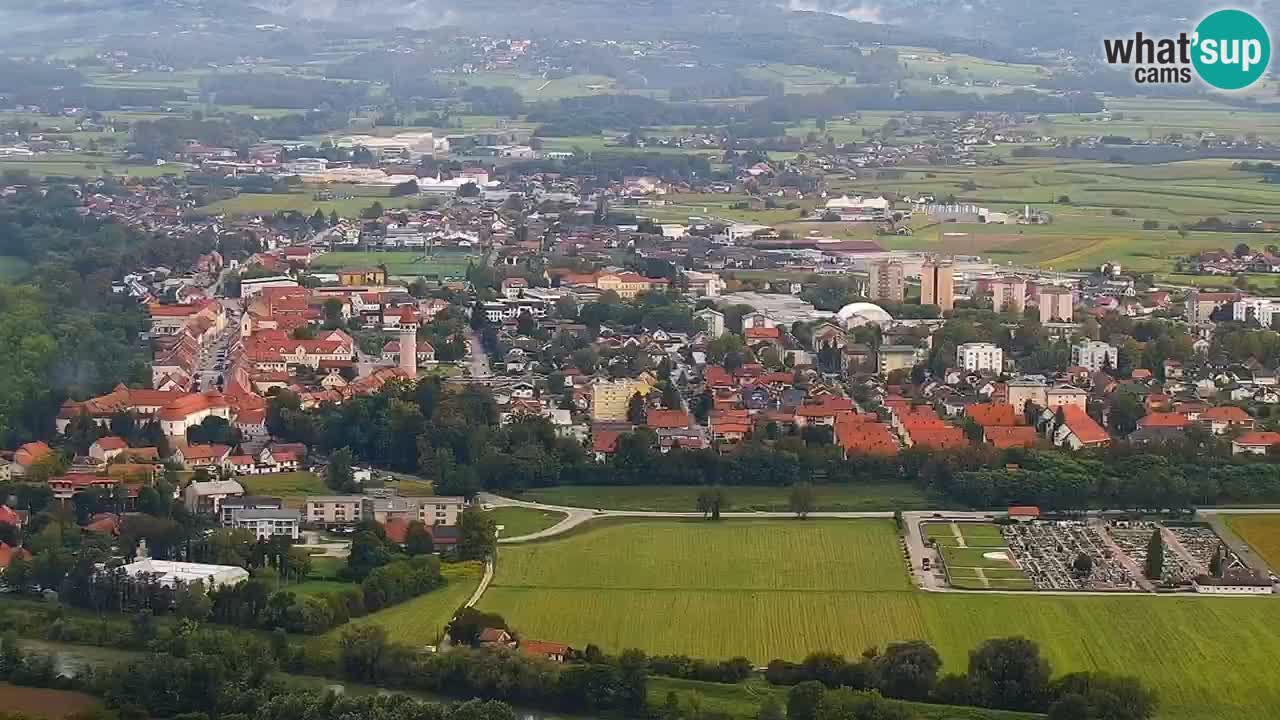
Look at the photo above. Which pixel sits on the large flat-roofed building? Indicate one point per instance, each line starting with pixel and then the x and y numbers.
pixel 169 573
pixel 266 524
pixel 333 509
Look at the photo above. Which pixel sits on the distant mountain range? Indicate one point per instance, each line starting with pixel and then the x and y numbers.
pixel 1078 25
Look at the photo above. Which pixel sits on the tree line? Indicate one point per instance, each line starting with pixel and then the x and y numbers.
pixel 1002 674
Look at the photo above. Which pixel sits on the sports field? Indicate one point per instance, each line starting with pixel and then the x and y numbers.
pixel 783 588
pixel 683 498
pixel 399 262
pixel 977 557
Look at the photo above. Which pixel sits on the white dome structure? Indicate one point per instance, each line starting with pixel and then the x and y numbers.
pixel 863 313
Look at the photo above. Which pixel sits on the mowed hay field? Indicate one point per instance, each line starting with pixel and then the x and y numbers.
pixel 1262 532
pixel 783 588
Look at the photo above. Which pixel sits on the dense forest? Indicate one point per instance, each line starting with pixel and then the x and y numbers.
pixel 65 333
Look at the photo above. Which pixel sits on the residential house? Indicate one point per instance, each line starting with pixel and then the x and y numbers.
pixel 1255 443
pixel 267 524
pixel 1078 430
pixel 205 498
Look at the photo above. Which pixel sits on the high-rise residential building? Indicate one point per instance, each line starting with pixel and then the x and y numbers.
pixel 1009 293
pixel 976 357
pixel 938 284
pixel 1056 304
pixel 887 281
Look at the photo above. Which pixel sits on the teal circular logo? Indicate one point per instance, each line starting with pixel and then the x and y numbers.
pixel 1231 49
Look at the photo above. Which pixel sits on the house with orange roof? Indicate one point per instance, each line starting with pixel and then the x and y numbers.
pixel 1219 420
pixel 25 456
pixel 1078 430
pixel 667 419
pixel 1007 437
pixel 1255 443
pixel 995 415
pixel 209 457
pixel 105 449
pixel 1175 420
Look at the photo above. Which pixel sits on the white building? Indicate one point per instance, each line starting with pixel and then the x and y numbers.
pixel 976 357
pixel 714 320
pixel 1261 309
pixel 704 284
pixel 1094 355
pixel 859 209
pixel 169 573
pixel 266 524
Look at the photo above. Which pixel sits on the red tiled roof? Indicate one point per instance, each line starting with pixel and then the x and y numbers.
pixel 1256 439
pixel 939 438
pixel 8 516
pixel 111 443
pixel 1226 413
pixel 765 333
pixel 993 415
pixel 1005 437
pixel 542 648
pixel 667 419
pixel 397 530
pixel 27 454
pixel 605 441
pixel 1083 427
pixel 1165 420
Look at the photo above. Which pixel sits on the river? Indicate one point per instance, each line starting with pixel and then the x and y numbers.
pixel 71 660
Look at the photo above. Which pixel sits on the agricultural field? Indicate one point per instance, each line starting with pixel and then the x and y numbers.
pixel 517 521
pixel 977 557
pixel 783 588
pixel 421 621
pixel 1261 532
pixel 1099 210
pixel 801 79
pixel 303 201
pixel 398 262
pixel 82 165
pixel 534 87
pixel 679 498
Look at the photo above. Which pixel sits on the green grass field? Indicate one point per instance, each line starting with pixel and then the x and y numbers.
pixel 421 621
pixel 742 701
pixel 967 557
pixel 517 521
pixel 290 487
pixel 13 268
pixel 1262 532
pixel 86 166
pixel 398 262
pixel 1109 202
pixel 302 201
pixel 679 498
pixel 768 589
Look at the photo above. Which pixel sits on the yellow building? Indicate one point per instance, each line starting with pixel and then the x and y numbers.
pixel 629 285
pixel 362 276
pixel 609 400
